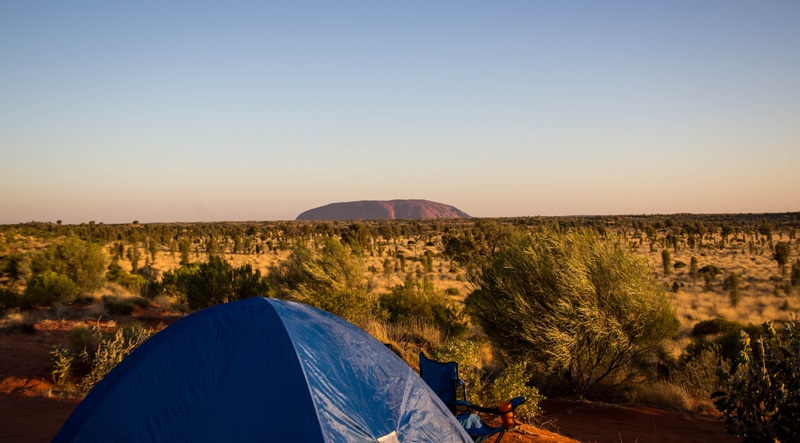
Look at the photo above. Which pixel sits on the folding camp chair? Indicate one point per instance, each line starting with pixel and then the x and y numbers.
pixel 443 379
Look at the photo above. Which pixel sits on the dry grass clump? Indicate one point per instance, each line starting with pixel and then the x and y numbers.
pixel 18 321
pixel 663 394
pixel 407 338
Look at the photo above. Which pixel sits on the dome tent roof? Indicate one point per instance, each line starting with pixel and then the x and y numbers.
pixel 262 370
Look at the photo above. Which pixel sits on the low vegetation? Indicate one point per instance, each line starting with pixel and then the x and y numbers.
pixel 648 309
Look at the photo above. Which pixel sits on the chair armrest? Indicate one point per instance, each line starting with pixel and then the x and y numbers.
pixel 515 402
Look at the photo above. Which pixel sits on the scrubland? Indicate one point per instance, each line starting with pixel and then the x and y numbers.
pixel 442 259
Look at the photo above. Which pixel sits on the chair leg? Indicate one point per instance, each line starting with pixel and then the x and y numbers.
pixel 499 436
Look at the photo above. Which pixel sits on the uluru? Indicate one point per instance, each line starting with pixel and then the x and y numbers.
pixel 382 209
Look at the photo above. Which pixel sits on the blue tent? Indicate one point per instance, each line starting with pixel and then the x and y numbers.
pixel 262 370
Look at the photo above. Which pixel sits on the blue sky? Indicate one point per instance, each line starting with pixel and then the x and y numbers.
pixel 211 111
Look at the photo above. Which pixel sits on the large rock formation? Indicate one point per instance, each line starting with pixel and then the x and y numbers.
pixel 377 209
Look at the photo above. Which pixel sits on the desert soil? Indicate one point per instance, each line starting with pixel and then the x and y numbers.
pixel 32 411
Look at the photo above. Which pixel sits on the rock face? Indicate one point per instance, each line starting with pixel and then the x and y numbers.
pixel 378 209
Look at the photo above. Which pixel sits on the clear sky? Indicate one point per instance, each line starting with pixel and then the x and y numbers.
pixel 163 111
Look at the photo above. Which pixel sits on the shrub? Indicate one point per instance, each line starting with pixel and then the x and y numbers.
pixel 334 282
pixel 421 301
pixel 514 381
pixel 731 284
pixel 585 308
pixel 782 252
pixel 91 354
pixel 721 334
pixel 48 287
pixel 118 305
pixel 9 299
pixel 131 282
pixel 716 326
pixel 467 353
pixel 663 394
pixel 216 281
pixel 82 262
pixel 760 400
pixel 111 350
pixel 62 360
pixel 698 375
pixel 709 273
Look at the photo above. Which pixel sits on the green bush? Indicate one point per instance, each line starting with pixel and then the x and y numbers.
pixel 760 400
pixel 721 334
pixel 698 375
pixel 217 282
pixel 467 353
pixel 82 262
pixel 716 326
pixel 513 381
pixel 584 308
pixel 131 282
pixel 48 287
pixel 9 299
pixel 334 282
pixel 118 305
pixel 419 300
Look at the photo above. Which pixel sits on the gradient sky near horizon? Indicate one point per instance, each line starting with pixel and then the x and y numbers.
pixel 221 111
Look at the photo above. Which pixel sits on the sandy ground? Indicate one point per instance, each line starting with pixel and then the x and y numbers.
pixel 31 411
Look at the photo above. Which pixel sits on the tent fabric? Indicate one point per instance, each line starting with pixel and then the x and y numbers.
pixel 262 370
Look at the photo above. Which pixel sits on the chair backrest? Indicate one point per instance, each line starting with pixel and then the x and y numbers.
pixel 442 379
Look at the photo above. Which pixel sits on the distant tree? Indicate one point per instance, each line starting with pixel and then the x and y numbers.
pixel 693 268
pixel 117 251
pixel 731 284
pixel 212 247
pixel 726 231
pixel 173 249
pixel 709 273
pixel 152 248
pixel 701 232
pixel 185 247
pixel 795 277
pixel 134 255
pixel 666 261
pixel 358 237
pixel 461 250
pixel 782 252
pixel 388 270
pixel 766 230
pixel 427 260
